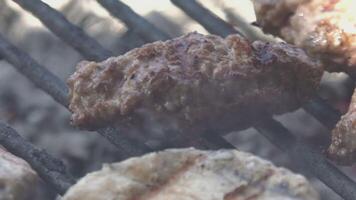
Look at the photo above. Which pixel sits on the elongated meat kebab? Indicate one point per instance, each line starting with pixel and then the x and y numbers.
pixel 191 84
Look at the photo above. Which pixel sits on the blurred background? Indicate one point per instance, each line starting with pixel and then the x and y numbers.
pixel 45 123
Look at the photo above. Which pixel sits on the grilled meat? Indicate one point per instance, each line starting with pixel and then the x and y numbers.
pixel 17 180
pixel 191 84
pixel 325 28
pixel 343 145
pixel 188 174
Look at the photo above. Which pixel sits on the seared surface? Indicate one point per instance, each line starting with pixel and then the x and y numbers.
pixel 191 84
pixel 343 144
pixel 189 174
pixel 326 28
pixel 17 180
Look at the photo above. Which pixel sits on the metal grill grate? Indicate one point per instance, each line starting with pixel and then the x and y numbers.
pixel 48 168
pixel 55 174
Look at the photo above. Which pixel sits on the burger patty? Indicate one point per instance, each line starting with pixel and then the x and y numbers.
pixel 190 174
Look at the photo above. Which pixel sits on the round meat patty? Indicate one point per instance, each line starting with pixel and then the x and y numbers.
pixel 190 174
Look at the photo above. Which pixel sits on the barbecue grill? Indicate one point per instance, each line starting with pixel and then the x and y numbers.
pixel 53 171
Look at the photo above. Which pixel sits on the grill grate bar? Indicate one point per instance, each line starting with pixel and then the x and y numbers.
pixel 308 158
pixel 323 112
pixel 69 33
pixel 128 147
pixel 134 21
pixel 207 19
pixel 56 88
pixel 50 169
pixel 39 75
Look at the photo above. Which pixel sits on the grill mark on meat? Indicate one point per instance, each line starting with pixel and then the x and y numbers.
pixel 194 175
pixel 251 191
pixel 171 180
pixel 235 193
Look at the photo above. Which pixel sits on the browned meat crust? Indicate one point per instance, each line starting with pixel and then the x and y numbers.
pixel 343 145
pixel 194 83
pixel 326 28
pixel 189 174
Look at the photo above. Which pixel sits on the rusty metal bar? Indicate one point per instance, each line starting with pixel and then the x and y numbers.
pixel 308 158
pixel 134 21
pixel 55 87
pixel 69 33
pixel 50 169
pixel 207 19
pixel 128 146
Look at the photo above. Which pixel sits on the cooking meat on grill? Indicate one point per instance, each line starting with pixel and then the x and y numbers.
pixel 17 180
pixel 189 174
pixel 343 145
pixel 325 28
pixel 192 83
